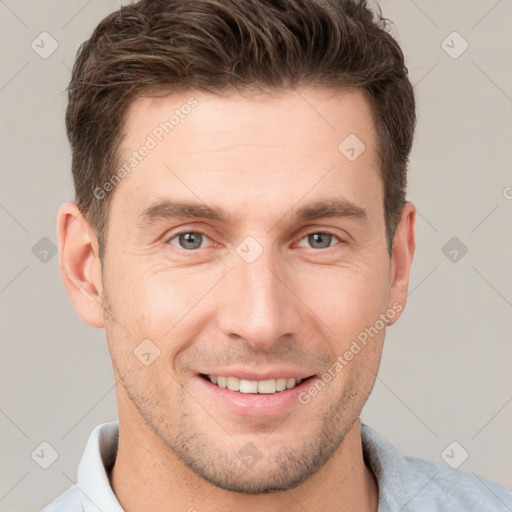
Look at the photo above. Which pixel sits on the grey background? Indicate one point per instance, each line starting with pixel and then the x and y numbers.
pixel 445 372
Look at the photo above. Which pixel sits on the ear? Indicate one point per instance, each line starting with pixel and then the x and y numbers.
pixel 80 265
pixel 404 244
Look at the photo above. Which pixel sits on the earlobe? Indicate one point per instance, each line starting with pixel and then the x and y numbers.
pixel 80 265
pixel 404 244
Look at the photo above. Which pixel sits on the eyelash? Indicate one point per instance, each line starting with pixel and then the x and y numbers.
pixel 199 231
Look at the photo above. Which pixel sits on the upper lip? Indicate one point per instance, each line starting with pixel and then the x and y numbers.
pixel 261 374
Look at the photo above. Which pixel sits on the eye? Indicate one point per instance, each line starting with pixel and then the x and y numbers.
pixel 192 240
pixel 188 240
pixel 320 239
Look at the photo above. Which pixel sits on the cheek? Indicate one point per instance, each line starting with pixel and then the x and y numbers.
pixel 145 308
pixel 345 300
pixel 160 302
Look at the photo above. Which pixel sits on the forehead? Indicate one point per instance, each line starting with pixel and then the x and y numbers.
pixel 316 112
pixel 235 147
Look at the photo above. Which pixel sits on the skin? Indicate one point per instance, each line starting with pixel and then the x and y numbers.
pixel 260 158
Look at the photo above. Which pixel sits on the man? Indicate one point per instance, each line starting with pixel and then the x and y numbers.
pixel 241 233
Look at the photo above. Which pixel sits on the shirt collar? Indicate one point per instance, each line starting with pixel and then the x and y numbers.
pixel 387 464
pixel 389 467
pixel 97 461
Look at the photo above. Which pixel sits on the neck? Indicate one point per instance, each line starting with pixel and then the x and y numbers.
pixel 148 476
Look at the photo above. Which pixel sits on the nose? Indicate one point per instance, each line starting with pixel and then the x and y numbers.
pixel 258 303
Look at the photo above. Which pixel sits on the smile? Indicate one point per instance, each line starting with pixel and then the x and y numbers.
pixel 268 386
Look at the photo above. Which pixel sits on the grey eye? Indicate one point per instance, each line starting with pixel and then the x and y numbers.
pixel 320 240
pixel 189 241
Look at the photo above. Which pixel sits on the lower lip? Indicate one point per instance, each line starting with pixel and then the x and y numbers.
pixel 255 404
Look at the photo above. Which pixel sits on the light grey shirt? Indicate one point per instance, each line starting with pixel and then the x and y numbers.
pixel 406 484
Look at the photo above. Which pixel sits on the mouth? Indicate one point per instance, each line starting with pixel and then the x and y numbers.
pixel 265 387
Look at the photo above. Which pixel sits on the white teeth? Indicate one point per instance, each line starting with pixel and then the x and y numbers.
pixel 248 386
pixel 281 384
pixel 268 386
pixel 233 383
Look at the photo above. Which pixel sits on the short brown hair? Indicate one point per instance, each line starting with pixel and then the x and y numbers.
pixel 221 45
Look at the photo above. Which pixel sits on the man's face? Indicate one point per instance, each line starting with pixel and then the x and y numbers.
pixel 264 293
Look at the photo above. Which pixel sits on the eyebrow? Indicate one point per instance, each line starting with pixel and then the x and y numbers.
pixel 340 208
pixel 165 209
